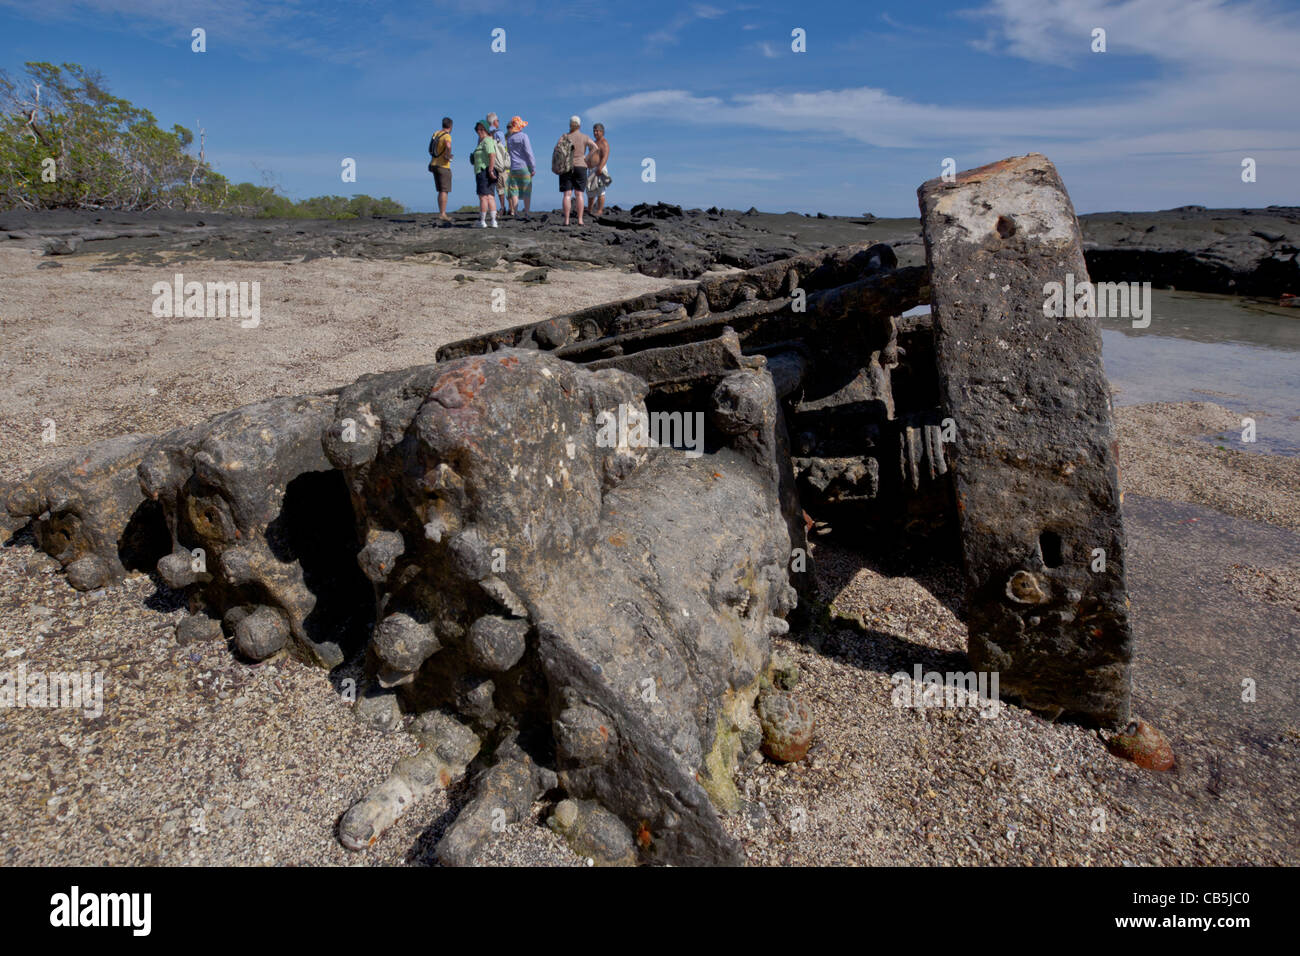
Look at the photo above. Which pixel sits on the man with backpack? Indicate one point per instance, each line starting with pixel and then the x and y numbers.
pixel 440 165
pixel 569 162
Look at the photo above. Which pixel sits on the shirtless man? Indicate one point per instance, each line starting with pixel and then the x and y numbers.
pixel 597 179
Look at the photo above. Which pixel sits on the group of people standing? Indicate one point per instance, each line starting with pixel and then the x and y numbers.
pixel 504 168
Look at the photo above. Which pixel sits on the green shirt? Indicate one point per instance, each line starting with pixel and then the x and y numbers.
pixel 483 152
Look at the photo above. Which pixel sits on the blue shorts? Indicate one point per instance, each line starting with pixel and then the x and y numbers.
pixel 484 186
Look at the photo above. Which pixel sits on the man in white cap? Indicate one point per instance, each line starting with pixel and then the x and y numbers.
pixel 575 181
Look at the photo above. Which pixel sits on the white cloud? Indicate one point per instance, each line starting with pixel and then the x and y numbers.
pixel 1196 34
pixel 252 28
pixel 1227 76
pixel 258 28
pixel 669 33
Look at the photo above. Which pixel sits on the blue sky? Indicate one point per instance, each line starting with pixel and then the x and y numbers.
pixel 714 93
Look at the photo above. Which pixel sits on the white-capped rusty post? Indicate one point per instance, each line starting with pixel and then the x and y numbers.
pixel 1037 482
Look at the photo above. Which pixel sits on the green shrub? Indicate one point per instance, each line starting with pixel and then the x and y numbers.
pixel 66 142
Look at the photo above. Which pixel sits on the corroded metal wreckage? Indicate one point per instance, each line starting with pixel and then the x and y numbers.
pixel 563 548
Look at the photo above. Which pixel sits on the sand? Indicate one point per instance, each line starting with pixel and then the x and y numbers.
pixel 200 759
pixel 83 348
pixel 1191 452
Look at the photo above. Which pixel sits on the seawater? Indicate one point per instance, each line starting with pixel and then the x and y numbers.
pixel 1240 353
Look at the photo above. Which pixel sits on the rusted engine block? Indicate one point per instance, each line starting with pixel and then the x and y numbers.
pixel 534 578
pixel 857 379
pixel 563 548
pixel 884 408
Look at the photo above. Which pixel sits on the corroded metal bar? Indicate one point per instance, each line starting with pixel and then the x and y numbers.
pixel 694 362
pixel 745 300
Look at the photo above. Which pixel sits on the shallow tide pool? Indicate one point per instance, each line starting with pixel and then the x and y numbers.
pixel 1234 352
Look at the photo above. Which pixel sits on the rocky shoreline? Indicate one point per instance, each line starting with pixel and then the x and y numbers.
pixel 1242 251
